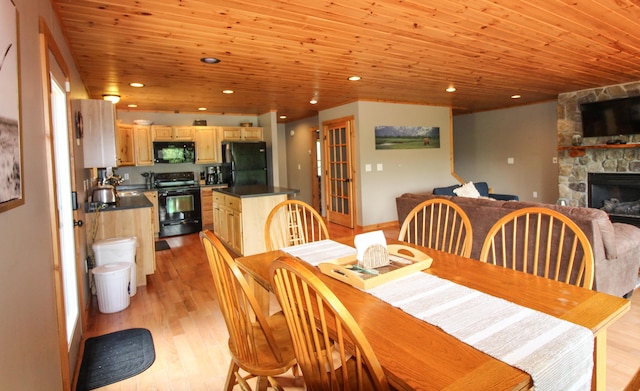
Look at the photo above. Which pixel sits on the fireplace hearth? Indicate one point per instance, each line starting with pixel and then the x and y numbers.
pixel 618 194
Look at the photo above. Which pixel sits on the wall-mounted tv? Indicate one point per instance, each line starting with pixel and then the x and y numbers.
pixel 611 117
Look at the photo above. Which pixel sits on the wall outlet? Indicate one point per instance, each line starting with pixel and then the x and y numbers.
pixel 379 167
pixel 367 167
pixel 510 160
pixel 126 176
pixel 554 160
pixel 535 194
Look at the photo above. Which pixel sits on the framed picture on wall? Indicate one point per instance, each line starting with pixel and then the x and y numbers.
pixel 11 178
pixel 407 137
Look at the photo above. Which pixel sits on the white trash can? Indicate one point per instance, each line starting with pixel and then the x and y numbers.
pixel 112 286
pixel 118 249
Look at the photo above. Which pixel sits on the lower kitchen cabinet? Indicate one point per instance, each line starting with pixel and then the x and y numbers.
pixel 152 196
pixel 239 221
pixel 136 222
pixel 206 199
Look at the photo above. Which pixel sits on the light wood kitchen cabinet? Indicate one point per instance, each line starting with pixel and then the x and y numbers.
pixel 152 196
pixel 207 145
pixel 143 152
pixel 206 199
pixel 125 145
pixel 95 124
pixel 136 222
pixel 237 133
pixel 239 221
pixel 172 133
pixel 220 226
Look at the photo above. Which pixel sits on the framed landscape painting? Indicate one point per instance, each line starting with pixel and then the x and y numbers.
pixel 11 181
pixel 407 137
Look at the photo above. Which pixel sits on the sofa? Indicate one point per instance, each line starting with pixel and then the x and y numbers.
pixel 481 187
pixel 616 246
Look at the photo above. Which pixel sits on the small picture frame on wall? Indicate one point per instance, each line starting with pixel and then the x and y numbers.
pixel 11 171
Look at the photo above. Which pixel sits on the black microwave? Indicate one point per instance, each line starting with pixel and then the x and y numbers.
pixel 174 152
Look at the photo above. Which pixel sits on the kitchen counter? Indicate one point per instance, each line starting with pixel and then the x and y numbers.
pixel 257 191
pixel 124 202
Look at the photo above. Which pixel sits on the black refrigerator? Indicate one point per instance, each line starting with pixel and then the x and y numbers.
pixel 248 162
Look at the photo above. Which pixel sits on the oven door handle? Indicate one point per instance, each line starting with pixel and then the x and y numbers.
pixel 181 222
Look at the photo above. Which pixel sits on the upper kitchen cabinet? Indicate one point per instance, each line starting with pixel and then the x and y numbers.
pixel 207 145
pixel 125 145
pixel 237 133
pixel 172 133
pixel 143 147
pixel 95 122
pixel 134 147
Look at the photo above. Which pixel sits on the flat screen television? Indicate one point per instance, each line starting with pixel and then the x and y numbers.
pixel 611 117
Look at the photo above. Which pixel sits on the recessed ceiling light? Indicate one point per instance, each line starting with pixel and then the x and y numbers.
pixel 516 96
pixel 111 97
pixel 283 117
pixel 228 91
pixel 451 89
pixel 210 60
pixel 132 105
pixel 313 101
pixel 202 108
pixel 135 84
pixel 355 78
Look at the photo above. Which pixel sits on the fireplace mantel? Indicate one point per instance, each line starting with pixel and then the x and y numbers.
pixel 579 150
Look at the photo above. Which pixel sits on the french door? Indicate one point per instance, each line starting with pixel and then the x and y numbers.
pixel 339 173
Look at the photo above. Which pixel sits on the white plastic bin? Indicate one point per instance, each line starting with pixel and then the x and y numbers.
pixel 118 249
pixel 112 286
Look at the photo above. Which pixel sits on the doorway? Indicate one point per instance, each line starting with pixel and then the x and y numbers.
pixel 339 172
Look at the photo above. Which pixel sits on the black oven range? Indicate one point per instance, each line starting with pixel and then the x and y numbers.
pixel 178 203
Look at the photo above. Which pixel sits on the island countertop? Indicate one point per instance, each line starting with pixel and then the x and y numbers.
pixel 256 191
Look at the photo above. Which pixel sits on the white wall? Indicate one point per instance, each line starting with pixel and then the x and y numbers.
pixel 403 171
pixel 30 358
pixel 298 157
pixel 483 142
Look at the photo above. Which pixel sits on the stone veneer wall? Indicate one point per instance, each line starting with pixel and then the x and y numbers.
pixel 572 176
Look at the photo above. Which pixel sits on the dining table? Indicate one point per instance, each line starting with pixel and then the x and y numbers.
pixel 416 355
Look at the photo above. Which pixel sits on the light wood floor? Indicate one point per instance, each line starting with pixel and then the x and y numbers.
pixel 178 306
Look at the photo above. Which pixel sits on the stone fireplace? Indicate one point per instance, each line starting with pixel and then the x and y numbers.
pixel 575 163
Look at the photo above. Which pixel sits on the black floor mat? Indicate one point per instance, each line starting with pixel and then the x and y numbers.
pixel 162 245
pixel 113 357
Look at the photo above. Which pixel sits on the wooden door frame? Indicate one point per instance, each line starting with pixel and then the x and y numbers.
pixel 353 198
pixel 48 45
pixel 316 191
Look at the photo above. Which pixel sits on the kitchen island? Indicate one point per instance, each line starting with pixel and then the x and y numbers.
pixel 240 212
pixel 131 215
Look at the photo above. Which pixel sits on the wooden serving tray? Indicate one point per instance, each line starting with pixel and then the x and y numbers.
pixel 404 260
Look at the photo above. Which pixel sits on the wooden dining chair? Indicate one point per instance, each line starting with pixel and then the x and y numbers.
pixel 439 224
pixel 293 222
pixel 331 349
pixel 259 345
pixel 561 251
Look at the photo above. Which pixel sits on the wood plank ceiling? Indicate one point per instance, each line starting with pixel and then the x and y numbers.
pixel 278 54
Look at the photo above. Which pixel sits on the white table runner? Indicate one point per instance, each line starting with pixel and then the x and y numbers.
pixel 557 354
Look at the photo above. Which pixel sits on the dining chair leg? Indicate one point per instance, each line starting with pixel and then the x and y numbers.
pixel 231 376
pixel 262 382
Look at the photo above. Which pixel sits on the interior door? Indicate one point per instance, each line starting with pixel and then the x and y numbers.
pixel 339 171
